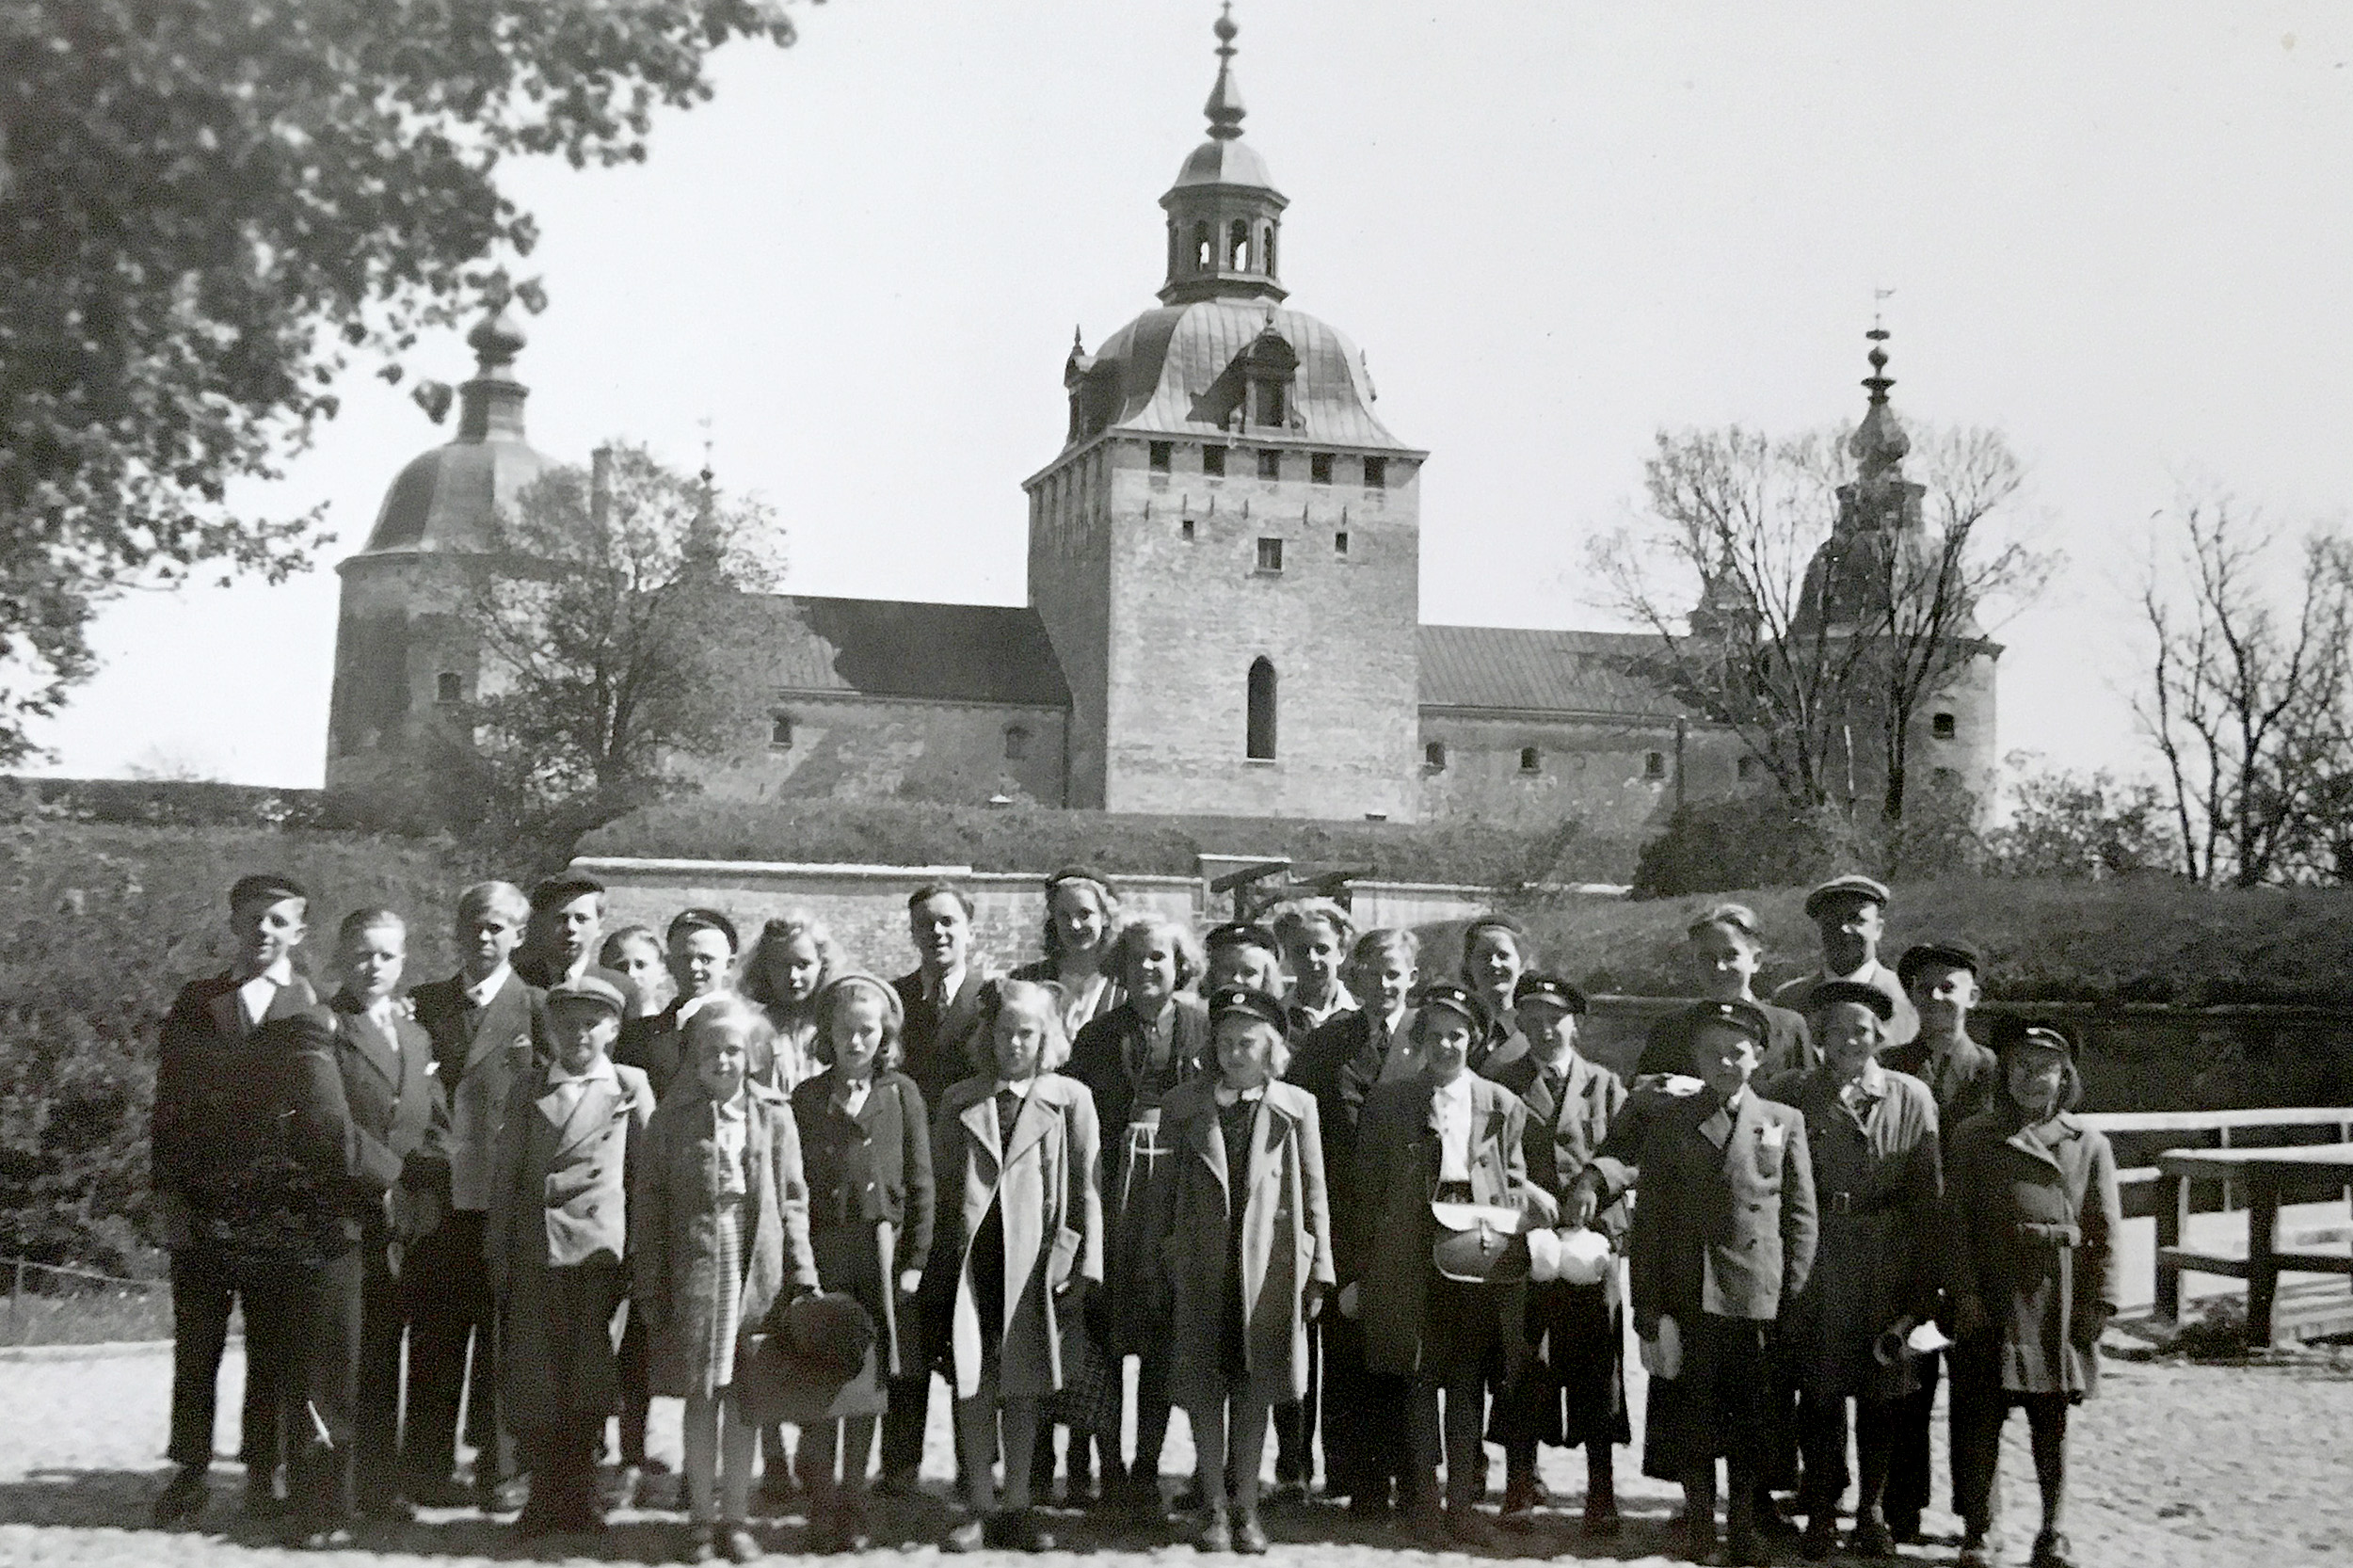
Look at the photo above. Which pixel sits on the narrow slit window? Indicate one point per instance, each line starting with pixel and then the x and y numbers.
pixel 780 731
pixel 1271 463
pixel 1654 764
pixel 1260 739
pixel 1270 555
pixel 1184 530
pixel 1943 727
pixel 1163 452
pixel 1339 542
pixel 1376 474
pixel 1531 760
pixel 1433 756
pixel 1213 461
pixel 1320 469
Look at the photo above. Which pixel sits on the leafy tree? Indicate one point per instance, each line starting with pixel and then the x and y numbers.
pixel 211 209
pixel 2079 828
pixel 610 624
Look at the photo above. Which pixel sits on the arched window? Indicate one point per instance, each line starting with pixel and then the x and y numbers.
pixel 1201 258
pixel 1238 245
pixel 1261 738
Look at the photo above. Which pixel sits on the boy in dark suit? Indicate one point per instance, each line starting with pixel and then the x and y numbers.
pixel 402 1122
pixel 267 918
pixel 486 1026
pixel 942 998
pixel 1724 1233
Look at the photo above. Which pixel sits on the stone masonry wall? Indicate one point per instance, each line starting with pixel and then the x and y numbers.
pixel 864 749
pixel 1598 770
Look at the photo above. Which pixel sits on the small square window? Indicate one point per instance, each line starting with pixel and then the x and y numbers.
pixel 1016 743
pixel 450 689
pixel 1655 765
pixel 1531 760
pixel 1434 755
pixel 1213 461
pixel 1320 468
pixel 1184 530
pixel 1943 726
pixel 1339 542
pixel 1270 465
pixel 1376 474
pixel 1270 555
pixel 779 731
pixel 1161 453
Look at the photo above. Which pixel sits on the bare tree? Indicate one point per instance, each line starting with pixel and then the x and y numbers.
pixel 609 630
pixel 2246 702
pixel 1814 613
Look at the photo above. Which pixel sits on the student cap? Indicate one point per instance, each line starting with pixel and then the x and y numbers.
pixel 554 890
pixel 1830 993
pixel 701 918
pixel 1457 999
pixel 1248 1000
pixel 1954 955
pixel 1548 988
pixel 264 888
pixel 1239 934
pixel 589 988
pixel 1849 885
pixel 1746 1017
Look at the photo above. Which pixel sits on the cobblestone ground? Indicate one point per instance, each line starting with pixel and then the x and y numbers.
pixel 2174 1466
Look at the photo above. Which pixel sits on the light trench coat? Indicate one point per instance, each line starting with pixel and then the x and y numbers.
pixel 1286 1242
pixel 1044 1177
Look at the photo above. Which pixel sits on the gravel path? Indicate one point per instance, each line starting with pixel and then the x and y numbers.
pixel 2174 1466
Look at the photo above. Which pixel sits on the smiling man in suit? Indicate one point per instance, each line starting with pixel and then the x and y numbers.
pixel 487 1029
pixel 941 1000
pixel 401 1118
pixel 268 917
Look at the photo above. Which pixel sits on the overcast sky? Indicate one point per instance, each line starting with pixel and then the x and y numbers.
pixel 2121 233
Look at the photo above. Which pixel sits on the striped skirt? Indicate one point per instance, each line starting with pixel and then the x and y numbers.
pixel 728 1314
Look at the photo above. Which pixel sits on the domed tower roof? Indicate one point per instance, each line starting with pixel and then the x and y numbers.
pixel 1879 545
pixel 446 499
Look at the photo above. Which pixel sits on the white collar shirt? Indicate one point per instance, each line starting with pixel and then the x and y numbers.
pixel 478 993
pixel 1452 1103
pixel 256 994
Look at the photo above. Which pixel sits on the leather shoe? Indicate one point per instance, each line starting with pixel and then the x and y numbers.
pixel 621 1490
pixel 702 1545
pixel 1871 1537
pixel 742 1545
pixel 183 1498
pixel 1217 1533
pixel 1250 1536
pixel 2050 1551
pixel 1820 1538
pixel 1974 1553
pixel 502 1496
pixel 967 1537
pixel 1602 1522
pixel 1473 1530
pixel 438 1492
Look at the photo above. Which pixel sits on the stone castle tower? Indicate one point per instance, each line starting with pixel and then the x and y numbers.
pixel 1226 553
pixel 401 659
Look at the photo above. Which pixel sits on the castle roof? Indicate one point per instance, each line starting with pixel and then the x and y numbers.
pixel 896 649
pixel 1178 370
pixel 1539 671
pixel 445 499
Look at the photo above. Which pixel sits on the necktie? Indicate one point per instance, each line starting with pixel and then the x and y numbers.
pixel 1008 1109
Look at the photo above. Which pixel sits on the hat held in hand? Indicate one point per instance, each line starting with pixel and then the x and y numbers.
pixel 832 1331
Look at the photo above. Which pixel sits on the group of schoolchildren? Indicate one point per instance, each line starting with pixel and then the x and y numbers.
pixel 1393 1214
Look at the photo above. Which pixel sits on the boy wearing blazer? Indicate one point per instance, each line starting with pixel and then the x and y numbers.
pixel 267 918
pixel 486 1028
pixel 1723 1233
pixel 401 1121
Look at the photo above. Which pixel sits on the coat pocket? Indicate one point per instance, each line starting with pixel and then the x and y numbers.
pixel 1064 1259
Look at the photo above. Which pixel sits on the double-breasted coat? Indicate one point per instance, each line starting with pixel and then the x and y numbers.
pixel 1397 1176
pixel 479 1054
pixel 2033 1218
pixel 397 1108
pixel 1286 1243
pixel 676 1259
pixel 866 1171
pixel 1878 1187
pixel 557 1239
pixel 1043 1179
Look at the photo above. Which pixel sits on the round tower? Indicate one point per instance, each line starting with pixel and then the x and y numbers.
pixel 402 663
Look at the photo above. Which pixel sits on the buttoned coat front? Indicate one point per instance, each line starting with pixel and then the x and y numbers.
pixel 1878 1187
pixel 1286 1242
pixel 866 1170
pixel 397 1107
pixel 2033 1218
pixel 560 1201
pixel 1724 1220
pixel 204 1020
pixel 1397 1176
pixel 675 1257
pixel 479 1054
pixel 1044 1177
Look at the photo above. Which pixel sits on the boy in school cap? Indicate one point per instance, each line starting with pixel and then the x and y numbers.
pixel 1849 913
pixel 268 915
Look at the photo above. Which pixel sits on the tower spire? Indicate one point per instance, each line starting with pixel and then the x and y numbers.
pixel 1879 444
pixel 1224 107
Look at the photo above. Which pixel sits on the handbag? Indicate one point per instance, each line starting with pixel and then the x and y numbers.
pixel 810 1362
pixel 1478 1243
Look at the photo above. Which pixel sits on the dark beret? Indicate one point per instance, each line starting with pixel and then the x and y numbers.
pixel 1250 1002
pixel 832 1331
pixel 1829 993
pixel 1459 998
pixel 554 890
pixel 1238 934
pixel 700 917
pixel 1746 1017
pixel 266 888
pixel 1537 986
pixel 1957 955
pixel 1849 885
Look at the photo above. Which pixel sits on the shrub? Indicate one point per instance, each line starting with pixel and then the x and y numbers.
pixel 1745 841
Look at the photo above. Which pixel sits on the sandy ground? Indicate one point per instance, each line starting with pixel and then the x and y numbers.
pixel 2175 1464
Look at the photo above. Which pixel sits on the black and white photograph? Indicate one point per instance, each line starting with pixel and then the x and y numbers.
pixel 1337 779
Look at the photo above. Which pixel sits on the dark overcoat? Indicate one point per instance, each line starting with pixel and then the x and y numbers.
pixel 1878 1185
pixel 1103 1058
pixel 2033 1218
pixel 1286 1242
pixel 1397 1175
pixel 1963 1085
pixel 867 1171
pixel 204 1019
pixel 937 1043
pixel 556 1242
pixel 1043 1178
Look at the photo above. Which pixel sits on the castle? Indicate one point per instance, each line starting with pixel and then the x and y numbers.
pixel 1224 598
